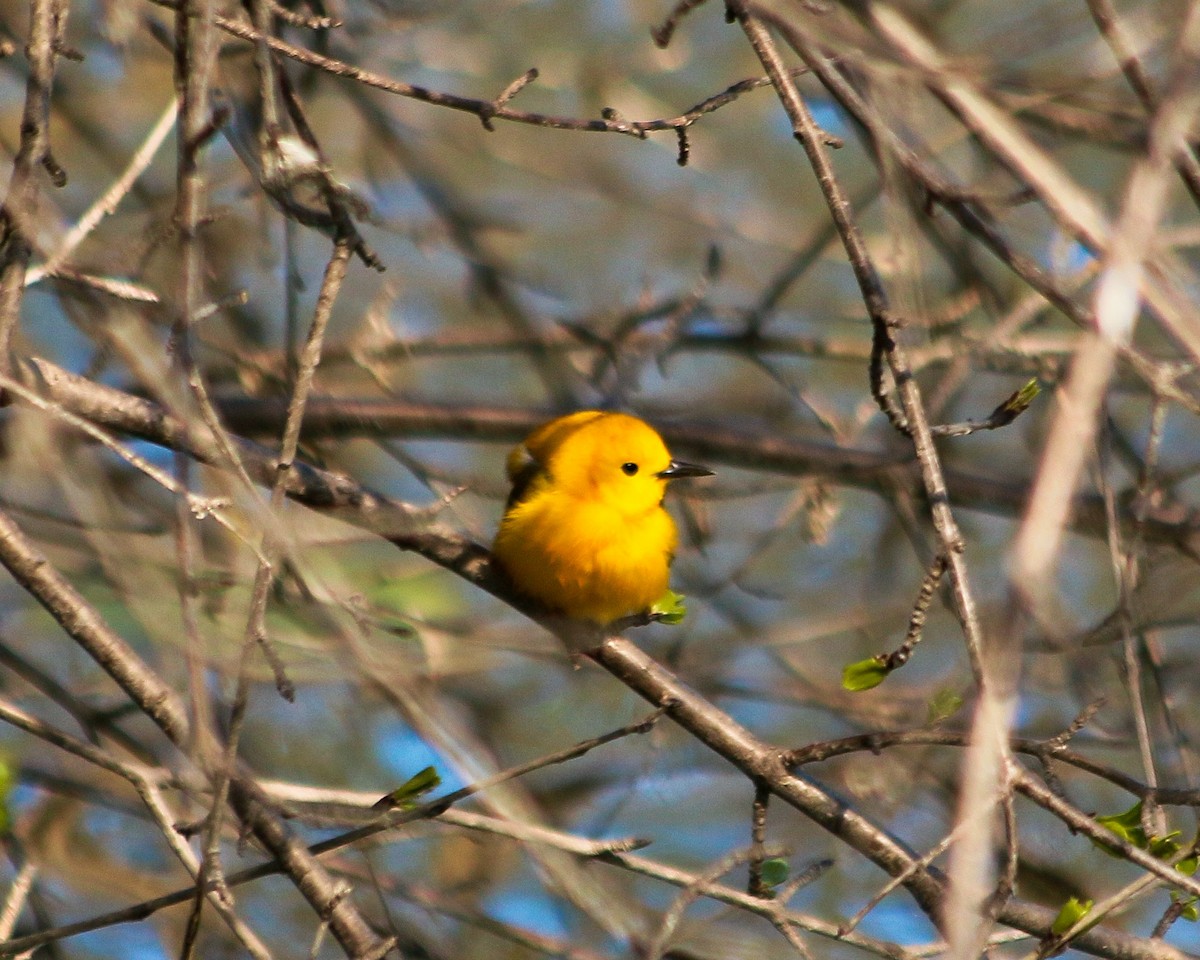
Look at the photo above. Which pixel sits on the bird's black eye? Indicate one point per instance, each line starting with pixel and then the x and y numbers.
pixel 629 469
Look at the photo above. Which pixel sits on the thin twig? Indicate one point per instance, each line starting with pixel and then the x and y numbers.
pixel 146 783
pixel 108 202
pixel 1080 214
pixel 256 632
pixel 1025 783
pixel 1105 16
pixel 673 915
pixel 972 215
pixel 198 507
pixel 729 444
pixel 480 107
pixel 925 860
pixel 385 822
pixel 18 893
pixel 30 568
pixel 758 834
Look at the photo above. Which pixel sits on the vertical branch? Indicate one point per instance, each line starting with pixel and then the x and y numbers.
pixel 758 835
pixel 194 52
pixel 264 64
pixel 196 665
pixel 192 61
pixel 974 898
pixel 1126 561
pixel 18 218
pixel 805 130
pixel 964 918
pixel 809 136
pixel 256 630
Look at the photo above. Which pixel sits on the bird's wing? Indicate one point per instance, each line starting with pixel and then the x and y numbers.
pixel 528 461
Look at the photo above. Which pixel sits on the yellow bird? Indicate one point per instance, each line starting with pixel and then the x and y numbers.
pixel 585 533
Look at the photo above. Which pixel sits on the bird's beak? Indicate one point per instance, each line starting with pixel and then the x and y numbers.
pixel 679 468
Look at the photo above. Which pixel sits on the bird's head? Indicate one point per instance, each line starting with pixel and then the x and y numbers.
pixel 619 460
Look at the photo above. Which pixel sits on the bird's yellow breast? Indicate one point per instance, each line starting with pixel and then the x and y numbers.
pixel 585 534
pixel 586 559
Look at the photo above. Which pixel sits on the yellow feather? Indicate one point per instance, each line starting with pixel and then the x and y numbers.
pixel 585 533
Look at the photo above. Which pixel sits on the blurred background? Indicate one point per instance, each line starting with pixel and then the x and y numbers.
pixel 530 271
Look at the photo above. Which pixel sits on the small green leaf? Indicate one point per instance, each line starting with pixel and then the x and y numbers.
pixel 405 796
pixel 669 608
pixel 1164 847
pixel 1127 825
pixel 774 871
pixel 1188 865
pixel 1189 911
pixel 1072 912
pixel 1019 402
pixel 945 704
pixel 865 674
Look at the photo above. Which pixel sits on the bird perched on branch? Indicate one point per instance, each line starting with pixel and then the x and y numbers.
pixel 585 533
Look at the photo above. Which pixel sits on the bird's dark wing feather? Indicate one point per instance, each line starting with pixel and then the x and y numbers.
pixel 523 481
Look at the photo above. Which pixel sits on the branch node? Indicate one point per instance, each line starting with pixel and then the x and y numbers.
pixel 489 110
pixel 68 52
pixel 663 33
pixel 58 176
